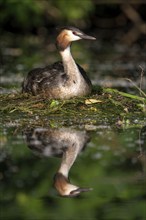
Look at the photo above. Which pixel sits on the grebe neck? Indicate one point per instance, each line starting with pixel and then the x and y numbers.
pixel 69 64
pixel 66 54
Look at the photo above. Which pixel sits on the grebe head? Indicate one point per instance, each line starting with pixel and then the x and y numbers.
pixel 65 188
pixel 69 34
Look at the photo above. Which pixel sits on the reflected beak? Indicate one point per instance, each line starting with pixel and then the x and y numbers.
pixel 76 192
pixel 65 188
pixel 87 37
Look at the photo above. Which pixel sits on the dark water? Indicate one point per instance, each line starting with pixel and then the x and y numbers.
pixel 112 162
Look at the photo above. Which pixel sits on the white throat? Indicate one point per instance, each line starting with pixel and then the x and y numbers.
pixel 66 54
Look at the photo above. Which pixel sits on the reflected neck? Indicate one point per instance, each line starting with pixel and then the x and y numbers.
pixel 69 156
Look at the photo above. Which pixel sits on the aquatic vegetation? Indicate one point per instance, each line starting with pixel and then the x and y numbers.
pixel 109 106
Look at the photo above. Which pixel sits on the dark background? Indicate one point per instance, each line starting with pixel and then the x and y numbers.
pixel 39 17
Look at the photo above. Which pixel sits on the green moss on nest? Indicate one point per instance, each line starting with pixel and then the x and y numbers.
pixel 110 106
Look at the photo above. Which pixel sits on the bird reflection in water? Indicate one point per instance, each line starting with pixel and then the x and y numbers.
pixel 64 142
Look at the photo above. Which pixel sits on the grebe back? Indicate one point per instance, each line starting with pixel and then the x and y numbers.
pixel 61 80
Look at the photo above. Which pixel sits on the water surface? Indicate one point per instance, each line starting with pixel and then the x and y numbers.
pixel 112 163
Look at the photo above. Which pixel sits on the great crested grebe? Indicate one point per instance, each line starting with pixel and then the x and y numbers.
pixel 59 142
pixel 61 80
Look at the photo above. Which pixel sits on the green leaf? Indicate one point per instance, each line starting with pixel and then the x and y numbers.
pixel 54 103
